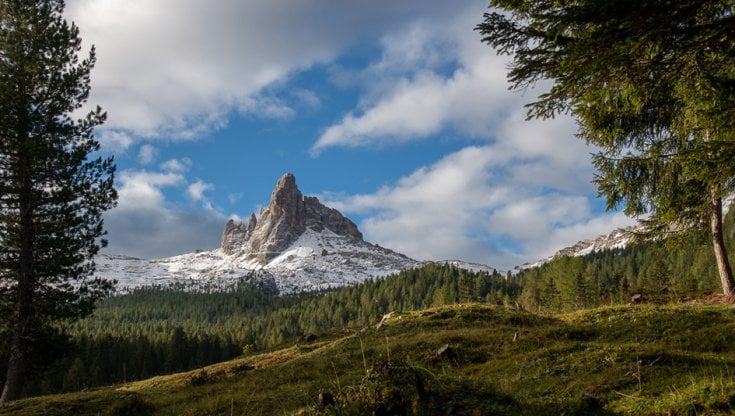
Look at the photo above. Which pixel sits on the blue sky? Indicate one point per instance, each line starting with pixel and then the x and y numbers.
pixel 393 112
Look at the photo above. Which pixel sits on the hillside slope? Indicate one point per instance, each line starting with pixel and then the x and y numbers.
pixel 643 359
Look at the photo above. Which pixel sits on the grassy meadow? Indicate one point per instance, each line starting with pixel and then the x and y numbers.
pixel 638 359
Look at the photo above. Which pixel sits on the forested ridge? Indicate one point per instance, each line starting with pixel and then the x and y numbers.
pixel 158 330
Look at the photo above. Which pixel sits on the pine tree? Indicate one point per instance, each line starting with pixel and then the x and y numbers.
pixel 52 191
pixel 652 85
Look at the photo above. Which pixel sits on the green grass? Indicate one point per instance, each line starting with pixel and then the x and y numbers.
pixel 642 359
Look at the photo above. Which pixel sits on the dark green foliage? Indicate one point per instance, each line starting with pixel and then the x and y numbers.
pixel 610 277
pixel 53 190
pixel 652 86
pixel 665 271
pixel 158 330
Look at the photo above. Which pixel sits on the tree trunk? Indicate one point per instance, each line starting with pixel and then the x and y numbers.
pixel 23 310
pixel 15 377
pixel 718 242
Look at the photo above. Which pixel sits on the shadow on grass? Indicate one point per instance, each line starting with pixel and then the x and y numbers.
pixel 404 390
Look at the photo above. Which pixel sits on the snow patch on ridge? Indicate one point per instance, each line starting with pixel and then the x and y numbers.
pixel 619 238
pixel 316 260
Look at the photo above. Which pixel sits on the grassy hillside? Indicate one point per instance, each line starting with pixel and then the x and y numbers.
pixel 642 359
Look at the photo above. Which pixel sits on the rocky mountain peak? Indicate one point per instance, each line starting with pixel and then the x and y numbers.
pixel 286 218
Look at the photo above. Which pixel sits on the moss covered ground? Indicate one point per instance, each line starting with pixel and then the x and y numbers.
pixel 674 359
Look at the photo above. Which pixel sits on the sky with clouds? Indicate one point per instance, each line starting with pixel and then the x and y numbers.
pixel 392 112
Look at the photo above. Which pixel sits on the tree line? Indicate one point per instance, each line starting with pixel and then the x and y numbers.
pixel 671 269
pixel 158 330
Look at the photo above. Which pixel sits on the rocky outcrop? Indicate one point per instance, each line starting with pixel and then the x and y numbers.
pixel 252 222
pixel 319 217
pixel 285 219
pixel 233 236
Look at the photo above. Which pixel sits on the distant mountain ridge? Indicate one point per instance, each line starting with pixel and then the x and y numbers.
pixel 294 244
pixel 618 238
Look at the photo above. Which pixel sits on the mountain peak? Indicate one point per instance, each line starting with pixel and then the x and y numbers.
pixel 286 218
pixel 287 180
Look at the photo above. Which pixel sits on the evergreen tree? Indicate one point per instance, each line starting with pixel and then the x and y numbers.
pixel 652 84
pixel 52 192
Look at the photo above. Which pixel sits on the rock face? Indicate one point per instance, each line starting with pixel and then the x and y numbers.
pixel 319 217
pixel 235 235
pixel 286 218
pixel 232 237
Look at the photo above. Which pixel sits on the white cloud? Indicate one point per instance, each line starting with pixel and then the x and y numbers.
pixel 142 189
pixel 147 154
pixel 196 190
pixel 178 68
pixel 266 107
pixel 114 141
pixel 423 101
pixel 176 165
pixel 477 204
pixel 145 224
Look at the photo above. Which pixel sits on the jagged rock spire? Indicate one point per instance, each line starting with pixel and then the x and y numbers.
pixel 287 216
pixel 281 223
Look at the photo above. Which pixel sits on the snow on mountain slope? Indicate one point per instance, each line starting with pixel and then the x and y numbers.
pixel 618 238
pixel 295 244
pixel 320 260
pixel 193 270
pixel 316 260
pixel 473 267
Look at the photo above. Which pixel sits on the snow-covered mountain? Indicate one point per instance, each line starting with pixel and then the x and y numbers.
pixel 294 244
pixel 316 260
pixel 618 238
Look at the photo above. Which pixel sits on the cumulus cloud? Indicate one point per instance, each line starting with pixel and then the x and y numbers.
pixel 423 100
pixel 179 68
pixel 114 141
pixel 524 192
pixel 196 191
pixel 145 224
pixel 497 204
pixel 176 165
pixel 147 154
